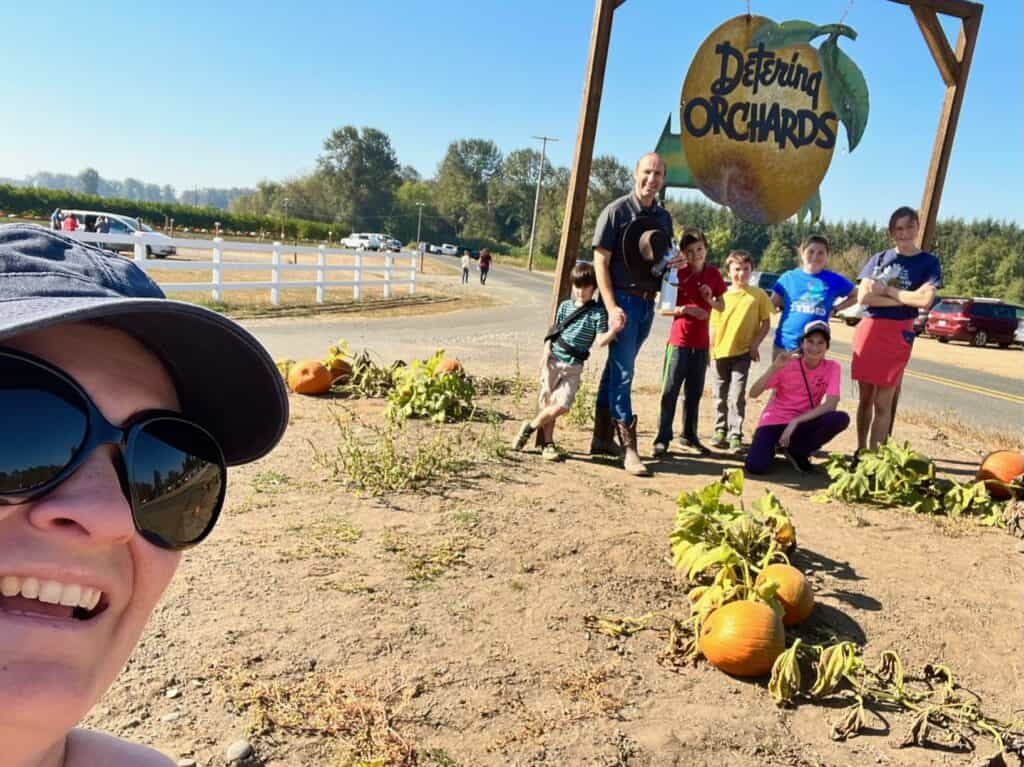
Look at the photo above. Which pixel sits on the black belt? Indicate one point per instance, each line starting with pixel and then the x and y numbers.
pixel 646 295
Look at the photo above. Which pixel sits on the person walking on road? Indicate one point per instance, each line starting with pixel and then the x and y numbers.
pixel 55 219
pixel 484 265
pixel 465 267
pixel 628 290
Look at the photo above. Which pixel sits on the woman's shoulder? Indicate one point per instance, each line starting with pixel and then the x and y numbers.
pixel 86 748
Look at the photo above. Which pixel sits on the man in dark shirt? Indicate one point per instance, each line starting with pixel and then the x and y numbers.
pixel 629 299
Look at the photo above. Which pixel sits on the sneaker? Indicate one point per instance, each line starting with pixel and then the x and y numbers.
pixel 801 463
pixel 693 446
pixel 735 444
pixel 525 432
pixel 659 449
pixel 552 452
pixel 718 440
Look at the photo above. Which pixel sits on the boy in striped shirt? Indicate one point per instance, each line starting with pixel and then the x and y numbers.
pixel 564 357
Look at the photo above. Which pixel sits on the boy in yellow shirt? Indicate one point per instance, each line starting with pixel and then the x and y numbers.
pixel 737 332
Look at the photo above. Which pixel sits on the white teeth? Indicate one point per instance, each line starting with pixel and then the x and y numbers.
pixel 10 586
pixel 51 592
pixel 30 588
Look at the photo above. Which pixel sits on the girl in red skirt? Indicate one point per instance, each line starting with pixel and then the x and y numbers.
pixel 894 284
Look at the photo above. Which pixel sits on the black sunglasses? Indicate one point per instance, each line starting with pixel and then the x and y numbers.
pixel 172 471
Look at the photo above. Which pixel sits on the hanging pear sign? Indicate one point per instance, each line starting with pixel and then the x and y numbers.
pixel 760 113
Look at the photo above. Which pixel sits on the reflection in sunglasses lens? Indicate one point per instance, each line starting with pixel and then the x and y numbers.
pixel 177 481
pixel 43 423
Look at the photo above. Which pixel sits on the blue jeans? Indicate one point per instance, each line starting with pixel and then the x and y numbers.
pixel 615 391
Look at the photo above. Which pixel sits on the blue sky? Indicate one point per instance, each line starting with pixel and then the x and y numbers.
pixel 224 94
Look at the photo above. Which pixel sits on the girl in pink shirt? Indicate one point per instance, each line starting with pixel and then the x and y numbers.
pixel 801 416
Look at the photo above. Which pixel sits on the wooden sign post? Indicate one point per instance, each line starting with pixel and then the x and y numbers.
pixel 954 68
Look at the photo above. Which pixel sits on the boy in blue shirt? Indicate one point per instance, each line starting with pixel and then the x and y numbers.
pixel 808 293
pixel 564 357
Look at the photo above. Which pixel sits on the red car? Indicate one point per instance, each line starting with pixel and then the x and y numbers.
pixel 979 321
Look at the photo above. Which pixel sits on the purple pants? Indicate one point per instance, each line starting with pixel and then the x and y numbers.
pixel 807 437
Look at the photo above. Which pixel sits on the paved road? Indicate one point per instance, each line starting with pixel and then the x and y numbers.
pixel 516 325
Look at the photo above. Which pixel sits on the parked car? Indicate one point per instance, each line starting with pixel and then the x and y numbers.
pixel 976 320
pixel 764 280
pixel 362 241
pixel 434 248
pixel 1018 336
pixel 447 249
pixel 120 224
pixel 395 246
pixel 921 320
pixel 852 314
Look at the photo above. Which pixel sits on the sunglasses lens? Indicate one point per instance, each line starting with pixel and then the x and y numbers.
pixel 43 423
pixel 176 471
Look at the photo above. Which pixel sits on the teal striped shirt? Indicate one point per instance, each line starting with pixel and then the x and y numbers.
pixel 582 332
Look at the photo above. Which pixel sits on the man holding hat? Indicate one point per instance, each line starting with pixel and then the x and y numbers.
pixel 632 235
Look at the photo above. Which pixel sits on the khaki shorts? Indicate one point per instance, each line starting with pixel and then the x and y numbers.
pixel 559 382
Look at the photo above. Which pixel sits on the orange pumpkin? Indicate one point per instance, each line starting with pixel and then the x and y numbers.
pixel 743 638
pixel 795 593
pixel 339 368
pixel 309 377
pixel 450 365
pixel 999 469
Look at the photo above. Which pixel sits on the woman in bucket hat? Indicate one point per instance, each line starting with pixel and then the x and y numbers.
pixel 119 413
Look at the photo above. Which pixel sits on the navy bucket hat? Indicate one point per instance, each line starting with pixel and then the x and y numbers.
pixel 226 380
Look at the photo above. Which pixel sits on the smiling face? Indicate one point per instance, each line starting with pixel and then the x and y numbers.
pixel 696 253
pixel 813 348
pixel 813 257
pixel 649 177
pixel 55 666
pixel 904 233
pixel 739 272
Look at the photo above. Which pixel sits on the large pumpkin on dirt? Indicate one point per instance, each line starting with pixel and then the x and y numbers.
pixel 795 593
pixel 743 638
pixel 1001 468
pixel 339 368
pixel 450 365
pixel 309 377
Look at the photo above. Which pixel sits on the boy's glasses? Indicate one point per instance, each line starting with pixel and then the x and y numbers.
pixel 172 471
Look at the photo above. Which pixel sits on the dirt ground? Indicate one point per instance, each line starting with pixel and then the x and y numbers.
pixel 446 625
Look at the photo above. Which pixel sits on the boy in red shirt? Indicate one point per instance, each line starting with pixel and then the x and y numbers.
pixel 700 289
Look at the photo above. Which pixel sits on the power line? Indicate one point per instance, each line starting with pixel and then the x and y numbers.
pixel 536 199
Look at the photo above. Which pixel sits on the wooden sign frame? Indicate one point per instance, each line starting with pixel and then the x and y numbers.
pixel 953 66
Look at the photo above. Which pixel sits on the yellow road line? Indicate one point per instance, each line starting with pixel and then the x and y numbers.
pixel 951 383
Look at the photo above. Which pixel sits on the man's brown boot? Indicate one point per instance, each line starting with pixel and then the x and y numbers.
pixel 627 436
pixel 603 441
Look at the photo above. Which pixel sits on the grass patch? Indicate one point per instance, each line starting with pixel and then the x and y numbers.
pixel 581 414
pixel 425 561
pixel 328 538
pixel 358 716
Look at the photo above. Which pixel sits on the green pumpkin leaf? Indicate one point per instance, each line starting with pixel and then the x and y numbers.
pixel 847 90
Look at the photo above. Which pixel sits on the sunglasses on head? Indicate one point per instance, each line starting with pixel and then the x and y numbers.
pixel 172 471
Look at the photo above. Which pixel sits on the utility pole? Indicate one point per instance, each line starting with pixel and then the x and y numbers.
pixel 536 200
pixel 419 220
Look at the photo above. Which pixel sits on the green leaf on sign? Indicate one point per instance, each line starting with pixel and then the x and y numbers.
pixel 811 208
pixel 847 89
pixel 795 32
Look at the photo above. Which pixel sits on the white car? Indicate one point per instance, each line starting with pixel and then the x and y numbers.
pixel 120 224
pixel 853 314
pixel 362 241
pixel 1018 334
pixel 447 249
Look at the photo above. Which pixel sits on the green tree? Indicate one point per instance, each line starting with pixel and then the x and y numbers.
pixel 719 243
pixel 777 257
pixel 360 171
pixel 464 181
pixel 89 179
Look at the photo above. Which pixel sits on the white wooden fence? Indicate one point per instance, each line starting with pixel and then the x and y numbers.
pixel 396 269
